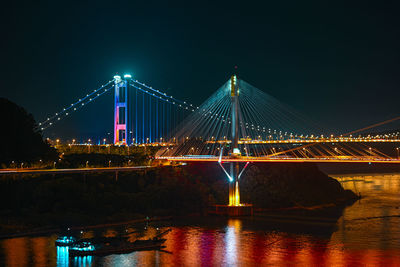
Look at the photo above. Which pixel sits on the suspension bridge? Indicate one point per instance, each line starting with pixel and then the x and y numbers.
pixel 237 125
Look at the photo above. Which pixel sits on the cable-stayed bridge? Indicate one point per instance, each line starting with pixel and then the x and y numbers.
pixel 238 123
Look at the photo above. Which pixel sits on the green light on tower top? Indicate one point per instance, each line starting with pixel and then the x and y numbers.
pixel 117 78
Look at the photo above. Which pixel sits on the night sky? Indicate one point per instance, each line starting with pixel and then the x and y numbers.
pixel 337 63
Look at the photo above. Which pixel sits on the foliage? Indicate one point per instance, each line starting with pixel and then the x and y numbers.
pixel 101 160
pixel 106 149
pixel 20 137
pixel 92 198
pixel 278 185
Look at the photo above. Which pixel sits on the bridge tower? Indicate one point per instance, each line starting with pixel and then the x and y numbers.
pixel 120 111
pixel 234 193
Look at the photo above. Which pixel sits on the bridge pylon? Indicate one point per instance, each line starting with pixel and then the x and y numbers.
pixel 120 110
pixel 234 192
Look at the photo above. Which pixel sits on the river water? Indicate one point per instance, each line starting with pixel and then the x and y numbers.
pixel 368 234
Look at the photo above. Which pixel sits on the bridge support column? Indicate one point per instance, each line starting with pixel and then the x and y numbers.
pixel 234 208
pixel 234 193
pixel 120 111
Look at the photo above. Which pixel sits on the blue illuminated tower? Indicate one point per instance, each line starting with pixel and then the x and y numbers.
pixel 120 110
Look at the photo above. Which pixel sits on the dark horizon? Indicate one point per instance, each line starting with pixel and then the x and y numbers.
pixel 336 63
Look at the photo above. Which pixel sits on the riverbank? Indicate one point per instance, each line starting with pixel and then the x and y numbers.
pixel 62 200
pixel 23 232
pixel 303 219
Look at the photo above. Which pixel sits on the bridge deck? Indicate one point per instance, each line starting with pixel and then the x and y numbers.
pixel 270 159
pixel 77 170
pixel 302 141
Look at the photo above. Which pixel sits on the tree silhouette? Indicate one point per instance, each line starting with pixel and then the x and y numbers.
pixel 20 138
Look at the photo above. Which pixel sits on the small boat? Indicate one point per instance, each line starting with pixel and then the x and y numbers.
pixel 65 241
pixel 87 248
pixel 162 234
pixel 115 245
pixel 102 239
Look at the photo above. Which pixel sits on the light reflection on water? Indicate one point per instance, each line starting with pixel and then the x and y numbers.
pixel 62 257
pixel 232 234
pixel 368 234
pixel 374 221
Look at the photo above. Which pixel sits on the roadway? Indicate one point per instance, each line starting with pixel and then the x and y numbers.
pixel 281 159
pixel 76 170
pixel 302 141
pixel 200 159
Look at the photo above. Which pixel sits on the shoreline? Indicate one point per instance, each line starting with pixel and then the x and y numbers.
pixel 322 215
pixel 53 229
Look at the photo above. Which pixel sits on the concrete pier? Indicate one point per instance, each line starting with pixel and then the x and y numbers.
pixel 227 210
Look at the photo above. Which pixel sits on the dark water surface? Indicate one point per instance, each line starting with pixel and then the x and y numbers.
pixel 368 234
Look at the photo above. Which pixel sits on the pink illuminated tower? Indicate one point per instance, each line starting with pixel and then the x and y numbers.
pixel 121 110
